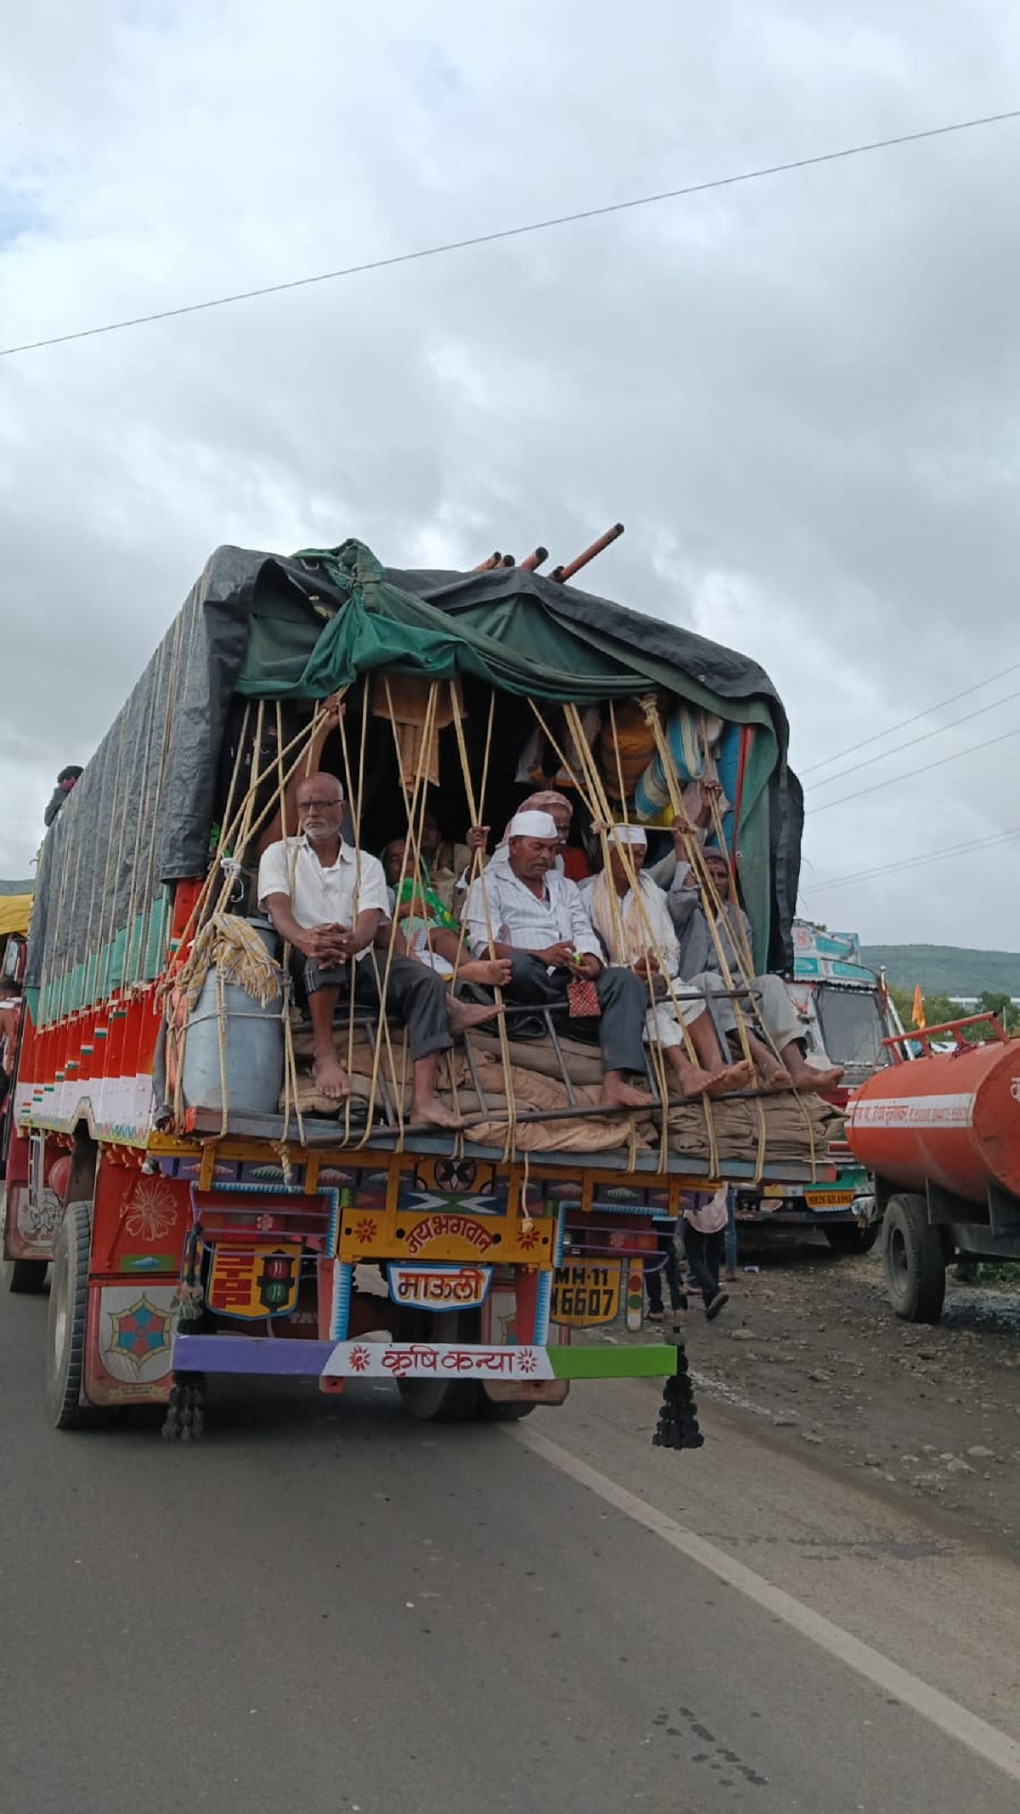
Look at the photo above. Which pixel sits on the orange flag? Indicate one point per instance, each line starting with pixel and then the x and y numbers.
pixel 918 1008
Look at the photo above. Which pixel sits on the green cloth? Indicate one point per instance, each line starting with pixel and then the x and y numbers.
pixel 523 648
pixel 426 902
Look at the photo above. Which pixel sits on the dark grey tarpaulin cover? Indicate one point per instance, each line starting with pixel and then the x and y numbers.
pixel 140 817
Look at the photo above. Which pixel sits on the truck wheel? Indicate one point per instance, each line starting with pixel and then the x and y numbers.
pixel 508 1410
pixel 915 1261
pixel 65 1355
pixel 436 1401
pixel 25 1275
pixel 848 1237
pixel 440 1400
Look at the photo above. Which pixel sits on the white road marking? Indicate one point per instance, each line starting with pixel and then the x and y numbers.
pixel 949 1716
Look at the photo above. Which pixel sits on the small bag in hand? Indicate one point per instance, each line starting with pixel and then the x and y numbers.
pixel 583 999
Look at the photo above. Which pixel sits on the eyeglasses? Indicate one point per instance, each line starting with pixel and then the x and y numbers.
pixel 307 806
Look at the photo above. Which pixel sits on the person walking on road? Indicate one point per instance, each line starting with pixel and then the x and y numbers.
pixel 704 1238
pixel 665 1261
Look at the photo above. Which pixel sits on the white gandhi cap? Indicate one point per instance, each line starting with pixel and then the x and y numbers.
pixel 629 834
pixel 533 825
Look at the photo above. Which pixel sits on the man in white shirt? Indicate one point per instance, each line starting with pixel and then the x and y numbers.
pixel 329 901
pixel 629 913
pixel 781 1058
pixel 535 917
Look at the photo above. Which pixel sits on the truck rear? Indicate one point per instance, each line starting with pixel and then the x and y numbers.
pixel 207 1209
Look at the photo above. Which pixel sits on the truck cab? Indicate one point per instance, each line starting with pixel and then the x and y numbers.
pixel 847 1014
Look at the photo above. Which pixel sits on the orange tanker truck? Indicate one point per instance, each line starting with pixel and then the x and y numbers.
pixel 940 1134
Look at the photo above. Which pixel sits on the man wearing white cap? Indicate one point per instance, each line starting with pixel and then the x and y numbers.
pixel 529 913
pixel 630 915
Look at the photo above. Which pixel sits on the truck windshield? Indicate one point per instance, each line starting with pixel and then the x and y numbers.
pixel 851 1026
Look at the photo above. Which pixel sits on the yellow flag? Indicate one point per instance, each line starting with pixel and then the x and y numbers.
pixel 918 1009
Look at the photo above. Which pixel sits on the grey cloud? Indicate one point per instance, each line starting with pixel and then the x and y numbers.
pixel 799 394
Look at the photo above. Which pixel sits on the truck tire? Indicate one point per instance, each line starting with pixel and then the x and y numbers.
pixel 507 1410
pixel 915 1260
pixel 440 1400
pixel 25 1275
pixel 850 1237
pixel 65 1336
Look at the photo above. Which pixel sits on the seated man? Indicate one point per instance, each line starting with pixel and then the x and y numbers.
pixel 571 861
pixel 530 914
pixel 328 901
pixel 636 930
pixel 700 964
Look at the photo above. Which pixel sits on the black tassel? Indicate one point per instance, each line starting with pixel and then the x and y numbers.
pixel 185 1413
pixel 677 1427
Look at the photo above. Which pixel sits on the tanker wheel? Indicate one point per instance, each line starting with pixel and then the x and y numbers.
pixel 65 1336
pixel 442 1400
pixel 915 1260
pixel 848 1237
pixel 25 1275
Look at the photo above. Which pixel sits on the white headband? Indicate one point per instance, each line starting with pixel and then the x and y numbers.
pixel 629 834
pixel 533 825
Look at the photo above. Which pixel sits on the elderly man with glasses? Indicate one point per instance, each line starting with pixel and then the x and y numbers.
pixel 329 901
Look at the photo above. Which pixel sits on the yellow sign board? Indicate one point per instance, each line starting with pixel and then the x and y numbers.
pixel 586 1293
pixel 254 1282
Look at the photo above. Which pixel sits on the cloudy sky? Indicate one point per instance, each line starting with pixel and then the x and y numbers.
pixel 800 394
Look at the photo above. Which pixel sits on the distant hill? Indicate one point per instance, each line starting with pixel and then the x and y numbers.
pixel 946 969
pixel 16 887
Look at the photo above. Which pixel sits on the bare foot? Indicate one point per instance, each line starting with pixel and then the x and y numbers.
pixel 434 1113
pixel 734 1077
pixel 812 1082
pixel 465 1014
pixel 491 972
pixel 691 1079
pixel 619 1095
pixel 775 1078
pixel 330 1077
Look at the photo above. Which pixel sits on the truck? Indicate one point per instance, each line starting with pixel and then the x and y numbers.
pixel 203 1210
pixel 23 1272
pixel 940 1133
pixel 848 1015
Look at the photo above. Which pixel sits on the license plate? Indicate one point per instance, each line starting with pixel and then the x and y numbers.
pixel 835 1199
pixel 586 1293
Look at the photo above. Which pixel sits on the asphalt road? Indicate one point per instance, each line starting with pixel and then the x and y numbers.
pixel 326 1607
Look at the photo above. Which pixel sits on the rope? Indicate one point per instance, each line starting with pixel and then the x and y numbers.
pixel 477 872
pixel 747 958
pixel 572 720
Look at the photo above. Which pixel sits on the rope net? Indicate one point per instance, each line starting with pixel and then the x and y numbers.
pixel 406 756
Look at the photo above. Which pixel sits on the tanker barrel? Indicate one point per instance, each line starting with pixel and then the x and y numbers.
pixel 950 1119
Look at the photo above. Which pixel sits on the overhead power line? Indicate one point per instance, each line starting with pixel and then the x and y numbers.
pixel 890 730
pixel 518 232
pixel 911 742
pixel 925 769
pixel 917 862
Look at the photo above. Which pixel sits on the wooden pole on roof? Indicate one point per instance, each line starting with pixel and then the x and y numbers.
pixel 567 572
